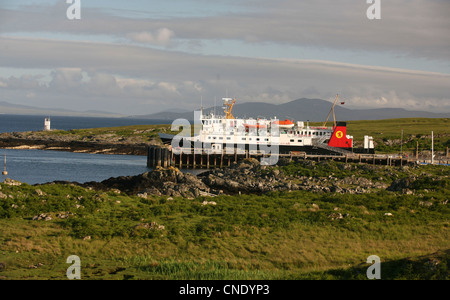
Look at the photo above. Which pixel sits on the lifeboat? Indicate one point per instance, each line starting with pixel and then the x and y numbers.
pixel 255 125
pixel 284 124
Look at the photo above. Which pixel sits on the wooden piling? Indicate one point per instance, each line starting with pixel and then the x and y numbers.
pixel 164 157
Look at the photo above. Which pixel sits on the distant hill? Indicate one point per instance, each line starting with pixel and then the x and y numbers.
pixel 17 109
pixel 302 110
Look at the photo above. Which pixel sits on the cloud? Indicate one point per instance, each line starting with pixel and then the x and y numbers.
pixel 149 79
pixel 145 64
pixel 415 28
pixel 66 78
pixel 162 37
pixel 24 82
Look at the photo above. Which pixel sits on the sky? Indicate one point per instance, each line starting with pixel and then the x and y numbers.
pixel 139 57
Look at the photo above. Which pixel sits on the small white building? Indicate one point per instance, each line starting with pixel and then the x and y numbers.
pixel 47 124
pixel 368 143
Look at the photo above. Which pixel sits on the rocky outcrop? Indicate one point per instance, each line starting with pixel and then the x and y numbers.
pixel 101 144
pixel 402 184
pixel 246 177
pixel 169 182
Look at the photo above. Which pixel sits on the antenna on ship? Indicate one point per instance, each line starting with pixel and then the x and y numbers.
pixel 201 106
pixel 4 171
pixel 332 111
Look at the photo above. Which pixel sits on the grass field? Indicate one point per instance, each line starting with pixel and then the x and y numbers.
pixel 386 133
pixel 414 130
pixel 132 133
pixel 283 235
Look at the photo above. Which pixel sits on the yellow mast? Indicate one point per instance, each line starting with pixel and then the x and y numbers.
pixel 332 111
pixel 227 111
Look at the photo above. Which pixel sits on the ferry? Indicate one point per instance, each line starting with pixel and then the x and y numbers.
pixel 225 132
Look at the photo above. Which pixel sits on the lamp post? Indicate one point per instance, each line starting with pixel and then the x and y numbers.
pixel 401 145
pixel 401 149
pixel 432 148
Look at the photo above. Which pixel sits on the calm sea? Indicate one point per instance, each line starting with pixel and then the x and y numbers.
pixel 17 123
pixel 41 166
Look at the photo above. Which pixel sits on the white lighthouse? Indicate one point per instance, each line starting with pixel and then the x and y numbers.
pixel 47 124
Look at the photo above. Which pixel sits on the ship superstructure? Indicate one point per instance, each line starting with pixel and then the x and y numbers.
pixel 225 132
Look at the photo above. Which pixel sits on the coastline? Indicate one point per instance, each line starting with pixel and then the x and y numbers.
pixel 68 143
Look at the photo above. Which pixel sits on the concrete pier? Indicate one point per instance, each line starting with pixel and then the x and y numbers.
pixel 158 157
pixel 164 157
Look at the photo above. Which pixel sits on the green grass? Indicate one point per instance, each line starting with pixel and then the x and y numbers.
pixel 135 133
pixel 383 131
pixel 278 235
pixel 386 134
pixel 414 130
pixel 287 235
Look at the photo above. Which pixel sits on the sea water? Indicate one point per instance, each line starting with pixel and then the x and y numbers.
pixel 42 166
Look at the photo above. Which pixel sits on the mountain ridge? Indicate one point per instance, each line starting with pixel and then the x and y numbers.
pixel 19 109
pixel 303 109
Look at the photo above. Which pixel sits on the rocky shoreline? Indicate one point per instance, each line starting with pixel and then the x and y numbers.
pixel 248 177
pixel 100 145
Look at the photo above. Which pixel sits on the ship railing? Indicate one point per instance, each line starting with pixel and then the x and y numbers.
pixel 321 140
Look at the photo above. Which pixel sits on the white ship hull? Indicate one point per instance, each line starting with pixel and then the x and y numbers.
pixel 219 133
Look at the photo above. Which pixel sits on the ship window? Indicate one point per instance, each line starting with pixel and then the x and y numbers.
pixel 228 138
pixel 299 141
pixel 209 137
pixel 266 140
pixel 292 140
pixel 257 139
pixel 243 139
pixel 220 138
